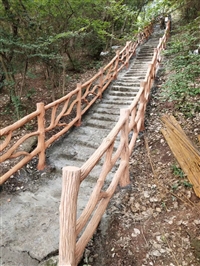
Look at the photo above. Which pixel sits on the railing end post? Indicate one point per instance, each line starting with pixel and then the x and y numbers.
pixel 68 209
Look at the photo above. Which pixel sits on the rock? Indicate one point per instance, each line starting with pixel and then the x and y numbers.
pixel 146 194
pixel 170 221
pixel 29 144
pixel 50 262
pixel 91 259
pixel 158 210
pixel 175 205
pixel 158 238
pixel 153 199
pixel 136 232
pixel 155 253
pixel 137 205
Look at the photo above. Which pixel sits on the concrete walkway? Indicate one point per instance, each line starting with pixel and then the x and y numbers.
pixel 30 221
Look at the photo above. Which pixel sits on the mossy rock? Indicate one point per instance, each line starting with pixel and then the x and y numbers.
pixel 29 144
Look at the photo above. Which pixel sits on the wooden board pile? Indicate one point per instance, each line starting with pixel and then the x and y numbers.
pixel 186 154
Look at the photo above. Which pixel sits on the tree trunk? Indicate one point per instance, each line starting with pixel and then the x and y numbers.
pixel 23 77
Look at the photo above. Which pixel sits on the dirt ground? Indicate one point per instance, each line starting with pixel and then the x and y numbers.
pixel 155 220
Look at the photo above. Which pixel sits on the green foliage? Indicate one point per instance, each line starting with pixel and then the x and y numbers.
pixel 178 172
pixel 30 93
pixel 57 35
pixel 17 106
pixel 190 10
pixel 187 184
pixel 183 65
pixel 153 9
pixel 31 75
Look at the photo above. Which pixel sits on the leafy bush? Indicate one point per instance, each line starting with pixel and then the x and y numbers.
pixel 183 82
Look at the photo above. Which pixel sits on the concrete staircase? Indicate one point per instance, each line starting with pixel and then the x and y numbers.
pixel 30 221
pixel 77 146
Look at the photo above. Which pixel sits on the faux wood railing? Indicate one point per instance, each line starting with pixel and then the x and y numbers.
pixel 76 233
pixel 65 112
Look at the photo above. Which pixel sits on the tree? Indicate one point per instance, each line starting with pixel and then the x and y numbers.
pixel 55 35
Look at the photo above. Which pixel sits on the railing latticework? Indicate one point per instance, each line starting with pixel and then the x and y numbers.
pixel 64 113
pixel 130 123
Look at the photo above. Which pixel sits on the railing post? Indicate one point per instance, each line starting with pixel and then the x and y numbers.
pixel 159 54
pixel 143 102
pixel 41 136
pixel 151 78
pixel 116 65
pixel 68 209
pixel 146 33
pixel 100 87
pixel 155 60
pixel 168 29
pixel 125 179
pixel 127 54
pixel 78 111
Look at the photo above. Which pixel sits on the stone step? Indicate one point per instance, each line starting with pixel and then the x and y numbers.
pixel 143 64
pixel 110 104
pixel 99 124
pixel 146 50
pixel 137 71
pixel 73 153
pixel 113 111
pixel 131 75
pixel 123 93
pixel 90 143
pixel 144 57
pixel 94 132
pixel 130 82
pixel 131 78
pixel 62 161
pixel 105 117
pixel 111 108
pixel 118 100
pixel 124 88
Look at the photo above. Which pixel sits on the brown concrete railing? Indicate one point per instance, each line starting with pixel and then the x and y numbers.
pixel 76 233
pixel 64 112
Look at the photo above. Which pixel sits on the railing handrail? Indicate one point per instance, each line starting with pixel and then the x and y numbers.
pixel 131 119
pixel 105 76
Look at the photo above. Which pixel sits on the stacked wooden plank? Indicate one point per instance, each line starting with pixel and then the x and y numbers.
pixel 186 154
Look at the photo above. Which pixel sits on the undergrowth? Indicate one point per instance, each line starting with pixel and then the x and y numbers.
pixel 183 65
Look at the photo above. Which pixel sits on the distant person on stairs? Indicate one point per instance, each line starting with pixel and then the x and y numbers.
pixel 162 23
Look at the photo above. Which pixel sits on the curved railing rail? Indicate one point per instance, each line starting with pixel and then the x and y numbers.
pixel 64 112
pixel 76 233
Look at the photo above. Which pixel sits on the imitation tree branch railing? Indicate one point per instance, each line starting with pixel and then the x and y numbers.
pixel 64 113
pixel 131 122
